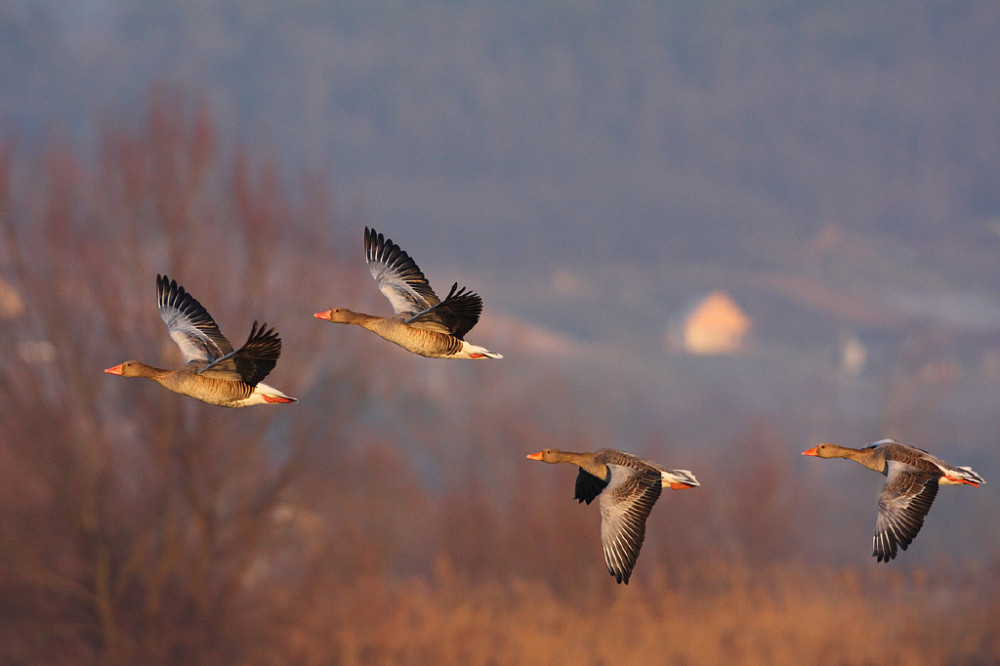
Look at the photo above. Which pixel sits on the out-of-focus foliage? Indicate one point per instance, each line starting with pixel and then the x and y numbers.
pixel 135 522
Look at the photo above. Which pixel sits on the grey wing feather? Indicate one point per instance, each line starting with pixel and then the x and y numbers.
pixel 625 506
pixel 397 276
pixel 902 505
pixel 189 323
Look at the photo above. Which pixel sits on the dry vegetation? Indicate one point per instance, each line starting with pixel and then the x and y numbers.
pixel 137 526
pixel 714 614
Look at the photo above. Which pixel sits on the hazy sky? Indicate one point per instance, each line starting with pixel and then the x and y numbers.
pixel 513 128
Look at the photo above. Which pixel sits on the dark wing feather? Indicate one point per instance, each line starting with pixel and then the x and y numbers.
pixel 588 486
pixel 189 323
pixel 252 362
pixel 455 315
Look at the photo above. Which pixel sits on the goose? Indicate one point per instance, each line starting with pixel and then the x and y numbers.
pixel 421 323
pixel 912 479
pixel 213 372
pixel 628 487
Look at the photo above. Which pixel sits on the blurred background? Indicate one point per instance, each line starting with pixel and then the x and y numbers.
pixel 712 234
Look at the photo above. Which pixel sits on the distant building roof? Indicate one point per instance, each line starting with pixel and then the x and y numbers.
pixel 715 324
pixel 11 303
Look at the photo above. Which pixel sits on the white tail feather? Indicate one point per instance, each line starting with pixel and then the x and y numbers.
pixel 965 473
pixel 681 476
pixel 262 389
pixel 475 351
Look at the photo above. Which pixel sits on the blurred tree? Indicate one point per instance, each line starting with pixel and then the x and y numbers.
pixel 134 520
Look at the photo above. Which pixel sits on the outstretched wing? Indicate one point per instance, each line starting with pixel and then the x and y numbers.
pixel 189 323
pixel 904 501
pixel 624 510
pixel 455 315
pixel 250 363
pixel 397 276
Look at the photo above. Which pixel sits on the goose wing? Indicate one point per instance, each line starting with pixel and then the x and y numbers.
pixel 397 276
pixel 252 362
pixel 189 323
pixel 455 315
pixel 624 510
pixel 904 501
pixel 588 486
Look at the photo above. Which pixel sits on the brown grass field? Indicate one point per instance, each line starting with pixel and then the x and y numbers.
pixel 721 614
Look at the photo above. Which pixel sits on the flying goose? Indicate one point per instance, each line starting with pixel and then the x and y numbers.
pixel 628 487
pixel 912 479
pixel 421 323
pixel 213 372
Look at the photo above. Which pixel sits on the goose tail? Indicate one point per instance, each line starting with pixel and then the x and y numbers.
pixel 678 479
pixel 956 476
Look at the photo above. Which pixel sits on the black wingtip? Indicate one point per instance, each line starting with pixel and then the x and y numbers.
pixel 621 576
pixel 455 292
pixel 168 292
pixel 380 248
pixel 374 239
pixel 261 333
pixel 883 552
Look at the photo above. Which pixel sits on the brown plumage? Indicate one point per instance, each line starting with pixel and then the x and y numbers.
pixel 628 487
pixel 421 323
pixel 213 371
pixel 912 479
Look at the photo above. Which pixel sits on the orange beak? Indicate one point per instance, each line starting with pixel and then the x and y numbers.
pixel 322 315
pixel 117 370
pixel 810 452
pixel 534 456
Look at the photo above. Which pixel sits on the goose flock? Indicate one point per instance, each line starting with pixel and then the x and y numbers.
pixel 627 486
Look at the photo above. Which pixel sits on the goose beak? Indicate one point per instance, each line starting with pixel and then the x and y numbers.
pixel 117 370
pixel 534 456
pixel 322 315
pixel 811 452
